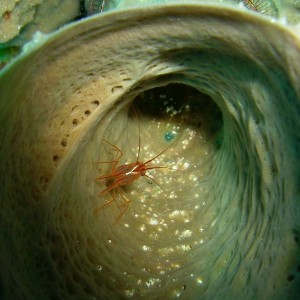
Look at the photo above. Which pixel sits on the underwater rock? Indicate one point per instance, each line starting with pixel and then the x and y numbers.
pixel 21 19
pixel 14 16
pixel 218 89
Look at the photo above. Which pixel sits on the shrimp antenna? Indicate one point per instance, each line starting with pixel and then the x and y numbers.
pixel 159 155
pixel 139 152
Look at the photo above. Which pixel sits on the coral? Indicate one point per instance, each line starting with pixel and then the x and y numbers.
pixel 23 18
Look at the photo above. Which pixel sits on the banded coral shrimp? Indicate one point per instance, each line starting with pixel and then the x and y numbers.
pixel 122 175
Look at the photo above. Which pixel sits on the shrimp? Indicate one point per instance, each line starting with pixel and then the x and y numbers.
pixel 123 175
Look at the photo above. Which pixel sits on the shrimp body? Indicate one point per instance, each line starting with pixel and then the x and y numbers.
pixel 131 172
pixel 123 175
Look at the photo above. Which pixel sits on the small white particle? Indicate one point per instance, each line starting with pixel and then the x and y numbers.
pixel 184 248
pixel 175 266
pixel 146 248
pixel 166 251
pixel 177 214
pixel 129 292
pixel 177 293
pixel 154 236
pixel 153 281
pixel 153 221
pixel 99 268
pixel 185 234
pixel 199 280
pixel 186 165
